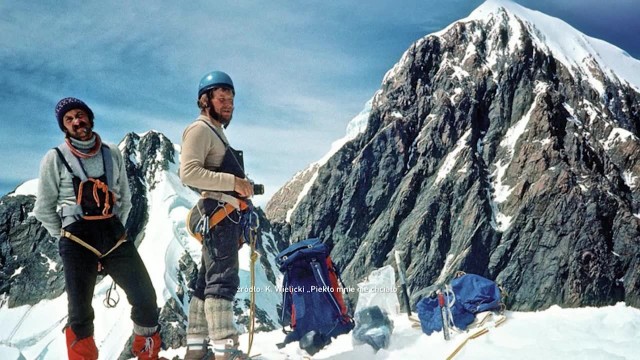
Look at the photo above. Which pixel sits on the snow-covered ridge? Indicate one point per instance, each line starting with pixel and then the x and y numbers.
pixel 568 45
pixel 29 187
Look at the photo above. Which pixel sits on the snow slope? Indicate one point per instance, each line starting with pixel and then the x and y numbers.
pixel 574 49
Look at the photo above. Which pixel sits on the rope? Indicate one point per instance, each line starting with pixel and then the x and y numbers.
pixel 252 294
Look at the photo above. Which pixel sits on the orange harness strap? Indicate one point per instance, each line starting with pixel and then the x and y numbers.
pixel 214 219
pixel 223 212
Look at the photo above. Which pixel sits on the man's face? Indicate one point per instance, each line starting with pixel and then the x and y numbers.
pixel 222 101
pixel 77 124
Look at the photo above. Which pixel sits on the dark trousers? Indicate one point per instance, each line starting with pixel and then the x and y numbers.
pixel 219 268
pixel 124 265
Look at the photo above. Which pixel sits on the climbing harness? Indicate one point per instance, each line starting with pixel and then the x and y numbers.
pixel 208 212
pixel 199 224
pixel 70 236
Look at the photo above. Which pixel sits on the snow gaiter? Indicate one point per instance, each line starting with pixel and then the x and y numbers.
pixel 80 349
pixel 146 347
pixel 197 330
pixel 219 313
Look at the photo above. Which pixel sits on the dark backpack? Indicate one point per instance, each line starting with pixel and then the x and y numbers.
pixel 312 301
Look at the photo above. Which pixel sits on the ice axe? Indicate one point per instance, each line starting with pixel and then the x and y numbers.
pixel 443 314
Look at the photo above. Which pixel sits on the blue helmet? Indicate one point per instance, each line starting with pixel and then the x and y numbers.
pixel 215 79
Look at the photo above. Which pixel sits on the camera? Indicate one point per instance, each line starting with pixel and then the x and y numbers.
pixel 258 189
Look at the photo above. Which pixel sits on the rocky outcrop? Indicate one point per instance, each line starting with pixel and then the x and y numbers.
pixel 286 198
pixel 155 152
pixel 144 158
pixel 29 260
pixel 484 153
pixel 138 215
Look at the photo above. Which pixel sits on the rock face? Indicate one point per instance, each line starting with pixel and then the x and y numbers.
pixel 29 260
pixel 138 214
pixel 285 198
pixel 487 152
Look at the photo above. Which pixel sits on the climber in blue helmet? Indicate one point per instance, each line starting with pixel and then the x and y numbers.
pixel 208 163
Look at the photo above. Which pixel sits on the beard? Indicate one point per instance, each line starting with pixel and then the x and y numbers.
pixel 224 120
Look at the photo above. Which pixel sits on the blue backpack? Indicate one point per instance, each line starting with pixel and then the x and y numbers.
pixel 469 294
pixel 312 301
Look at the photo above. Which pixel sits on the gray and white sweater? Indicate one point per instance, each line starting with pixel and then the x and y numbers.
pixel 55 186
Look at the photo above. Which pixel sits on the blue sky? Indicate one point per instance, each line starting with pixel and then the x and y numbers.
pixel 302 70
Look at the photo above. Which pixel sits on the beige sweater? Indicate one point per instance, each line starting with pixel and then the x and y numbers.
pixel 202 152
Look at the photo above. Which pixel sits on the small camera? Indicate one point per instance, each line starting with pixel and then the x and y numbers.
pixel 258 189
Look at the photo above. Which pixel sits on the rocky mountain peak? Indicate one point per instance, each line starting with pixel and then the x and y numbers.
pixel 150 152
pixel 29 260
pixel 493 147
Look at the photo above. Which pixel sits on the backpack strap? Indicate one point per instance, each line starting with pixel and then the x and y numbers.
pixel 317 273
pixel 286 303
pixel 227 148
pixel 64 161
pixel 107 160
pixel 217 134
pixel 74 166
pixel 72 213
pixel 71 162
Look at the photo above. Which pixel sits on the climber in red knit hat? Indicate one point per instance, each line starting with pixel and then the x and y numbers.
pixel 84 201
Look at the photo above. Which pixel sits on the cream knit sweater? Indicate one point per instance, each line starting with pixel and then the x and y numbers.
pixel 55 186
